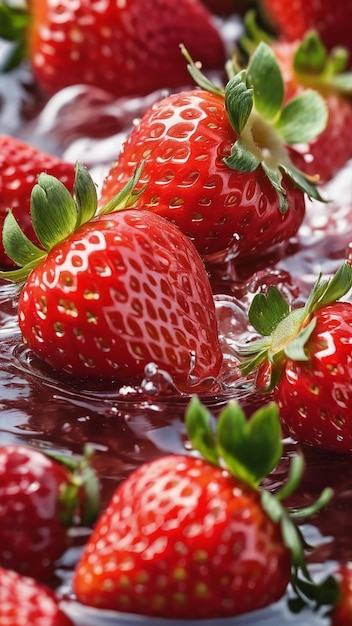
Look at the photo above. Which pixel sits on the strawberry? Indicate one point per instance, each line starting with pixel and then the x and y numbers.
pixel 125 48
pixel 105 296
pixel 307 64
pixel 41 498
pixel 341 614
pixel 305 356
pixel 192 537
pixel 23 601
pixel 330 18
pixel 216 162
pixel 20 165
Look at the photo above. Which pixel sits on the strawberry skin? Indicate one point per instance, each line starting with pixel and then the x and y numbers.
pixel 341 614
pixel 40 497
pixel 23 601
pixel 183 140
pixel 20 165
pixel 331 19
pixel 126 48
pixel 315 396
pixel 183 539
pixel 124 290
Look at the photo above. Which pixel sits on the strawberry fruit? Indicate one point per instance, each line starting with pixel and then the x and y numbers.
pixel 23 601
pixel 125 48
pixel 217 162
pixel 107 295
pixel 305 356
pixel 20 165
pixel 41 498
pixel 191 538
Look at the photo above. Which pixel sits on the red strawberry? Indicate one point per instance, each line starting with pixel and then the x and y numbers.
pixel 307 353
pixel 341 614
pixel 23 601
pixel 217 165
pixel 20 165
pixel 330 18
pixel 106 296
pixel 40 499
pixel 183 537
pixel 125 48
pixel 307 64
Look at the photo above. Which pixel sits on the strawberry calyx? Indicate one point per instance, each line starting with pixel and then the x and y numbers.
pixel 265 125
pixel 55 215
pixel 79 496
pixel 249 449
pixel 285 331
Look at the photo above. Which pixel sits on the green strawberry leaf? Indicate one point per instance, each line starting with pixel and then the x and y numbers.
pixel 311 56
pixel 303 118
pixel 275 177
pixel 295 349
pixel 238 101
pixel 198 76
pixel 17 246
pixel 264 76
pixel 199 430
pixel 13 24
pixel 267 310
pixel 302 181
pixel 53 211
pixel 251 448
pixel 86 195
pixel 327 291
pixel 241 158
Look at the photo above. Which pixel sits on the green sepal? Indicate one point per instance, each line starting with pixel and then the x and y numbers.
pixel 302 118
pixel 13 24
pixel 241 158
pixel 238 101
pixel 327 291
pixel 252 447
pixel 295 349
pixel 264 76
pixel 53 211
pixel 199 78
pixel 302 181
pixel 127 196
pixel 86 196
pixel 200 431
pixel 248 448
pixel 275 176
pixel 267 310
pixel 16 245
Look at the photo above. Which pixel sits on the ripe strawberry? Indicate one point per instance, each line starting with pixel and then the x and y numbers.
pixel 331 19
pixel 41 498
pixel 23 601
pixel 307 64
pixel 106 296
pixel 20 165
pixel 191 538
pixel 307 355
pixel 341 614
pixel 217 164
pixel 125 48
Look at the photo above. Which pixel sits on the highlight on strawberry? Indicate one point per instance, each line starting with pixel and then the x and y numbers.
pixel 43 497
pixel 105 295
pixel 218 161
pixel 304 356
pixel 195 535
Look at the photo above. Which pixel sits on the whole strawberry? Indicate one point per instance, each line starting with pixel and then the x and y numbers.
pixel 330 18
pixel 305 356
pixel 191 538
pixel 125 48
pixel 107 295
pixel 20 165
pixel 217 163
pixel 41 498
pixel 24 601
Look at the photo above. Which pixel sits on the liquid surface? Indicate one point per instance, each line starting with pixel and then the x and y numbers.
pixel 129 424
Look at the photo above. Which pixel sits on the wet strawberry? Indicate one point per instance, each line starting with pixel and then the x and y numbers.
pixel 41 498
pixel 23 601
pixel 108 294
pixel 191 538
pixel 218 165
pixel 341 614
pixel 306 355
